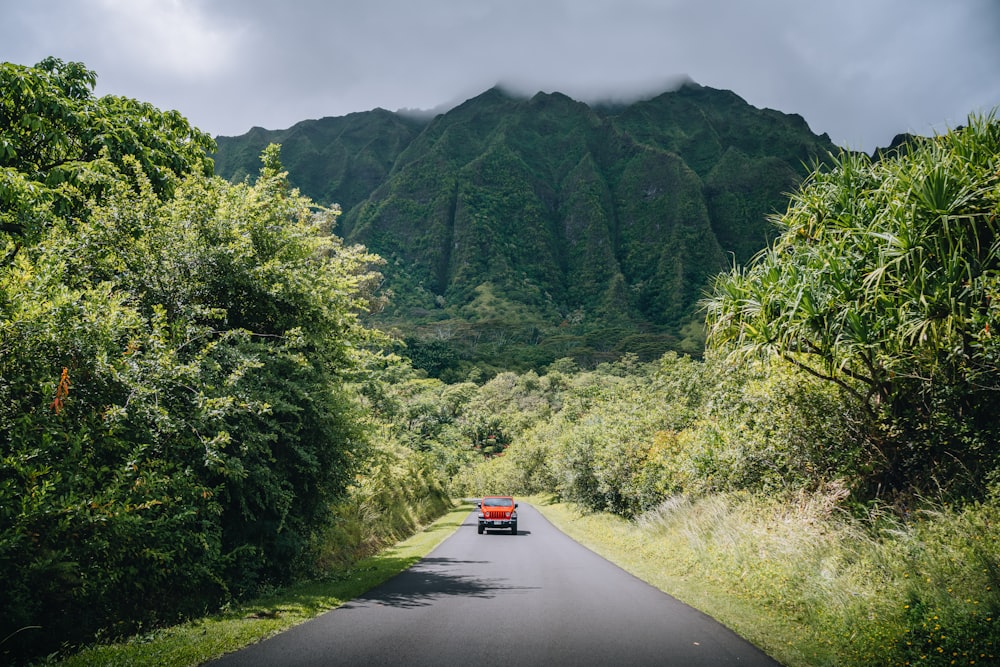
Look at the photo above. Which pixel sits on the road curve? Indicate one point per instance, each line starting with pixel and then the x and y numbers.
pixel 537 598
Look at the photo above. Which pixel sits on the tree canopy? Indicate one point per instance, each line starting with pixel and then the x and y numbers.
pixel 56 137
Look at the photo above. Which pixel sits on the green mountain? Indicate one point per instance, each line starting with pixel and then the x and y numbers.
pixel 333 160
pixel 518 231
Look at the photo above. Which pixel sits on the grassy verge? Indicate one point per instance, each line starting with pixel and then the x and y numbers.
pixel 815 587
pixel 654 560
pixel 204 639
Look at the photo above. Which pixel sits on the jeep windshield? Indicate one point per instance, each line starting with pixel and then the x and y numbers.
pixel 497 502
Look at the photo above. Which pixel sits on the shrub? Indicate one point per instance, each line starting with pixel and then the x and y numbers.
pixel 175 419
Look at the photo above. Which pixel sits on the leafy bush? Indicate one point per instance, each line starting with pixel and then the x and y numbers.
pixel 399 491
pixel 56 139
pixel 769 426
pixel 176 415
pixel 883 281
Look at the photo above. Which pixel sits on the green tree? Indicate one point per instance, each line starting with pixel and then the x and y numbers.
pixel 54 133
pixel 884 280
pixel 176 411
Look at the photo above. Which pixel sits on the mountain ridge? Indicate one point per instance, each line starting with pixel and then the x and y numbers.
pixel 551 227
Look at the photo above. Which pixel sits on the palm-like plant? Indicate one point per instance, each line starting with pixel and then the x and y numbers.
pixel 884 280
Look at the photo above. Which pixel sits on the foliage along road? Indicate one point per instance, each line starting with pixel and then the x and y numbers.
pixel 537 598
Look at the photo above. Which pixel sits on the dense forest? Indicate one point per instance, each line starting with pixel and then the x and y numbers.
pixel 196 406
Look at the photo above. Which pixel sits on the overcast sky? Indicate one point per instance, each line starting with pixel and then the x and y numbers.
pixel 860 70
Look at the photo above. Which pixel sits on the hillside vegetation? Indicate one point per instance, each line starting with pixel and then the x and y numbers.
pixel 518 231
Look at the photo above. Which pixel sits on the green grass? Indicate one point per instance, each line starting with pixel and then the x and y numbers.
pixel 203 639
pixel 672 570
pixel 812 586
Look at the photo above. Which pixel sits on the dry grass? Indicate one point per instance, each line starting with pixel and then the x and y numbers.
pixel 811 585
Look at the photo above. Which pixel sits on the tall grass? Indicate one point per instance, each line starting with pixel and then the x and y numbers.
pixel 878 590
pixel 399 493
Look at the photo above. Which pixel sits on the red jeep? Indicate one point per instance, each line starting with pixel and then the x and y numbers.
pixel 496 513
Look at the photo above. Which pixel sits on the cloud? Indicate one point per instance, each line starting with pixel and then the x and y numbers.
pixel 168 37
pixel 861 71
pixel 126 39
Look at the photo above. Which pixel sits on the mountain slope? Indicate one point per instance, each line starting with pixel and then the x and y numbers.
pixel 332 160
pixel 520 230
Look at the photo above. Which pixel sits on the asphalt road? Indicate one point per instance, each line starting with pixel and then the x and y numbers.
pixel 537 598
